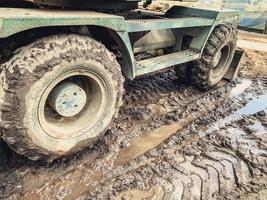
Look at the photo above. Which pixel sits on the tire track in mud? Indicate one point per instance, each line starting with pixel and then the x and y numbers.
pixel 22 180
pixel 211 174
pixel 190 164
pixel 231 168
pixel 223 165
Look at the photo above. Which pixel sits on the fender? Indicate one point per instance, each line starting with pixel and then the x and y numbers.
pixel 220 16
pixel 14 20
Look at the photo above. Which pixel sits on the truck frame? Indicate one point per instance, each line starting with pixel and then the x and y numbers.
pixel 128 44
pixel 17 20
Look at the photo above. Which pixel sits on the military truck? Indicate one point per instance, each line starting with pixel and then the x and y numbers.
pixel 64 63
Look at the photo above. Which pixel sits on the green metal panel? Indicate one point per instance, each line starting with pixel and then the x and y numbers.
pixel 129 67
pixel 14 20
pixel 161 62
pixel 156 24
pixel 219 16
pixel 195 12
pixel 222 15
pixel 92 4
pixel 199 42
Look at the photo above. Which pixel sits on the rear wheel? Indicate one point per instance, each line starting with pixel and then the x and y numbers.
pixel 61 93
pixel 217 56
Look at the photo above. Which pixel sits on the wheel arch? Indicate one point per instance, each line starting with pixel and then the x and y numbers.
pixel 118 43
pixel 113 40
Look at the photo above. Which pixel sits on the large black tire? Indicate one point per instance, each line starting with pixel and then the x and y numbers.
pixel 206 72
pixel 28 77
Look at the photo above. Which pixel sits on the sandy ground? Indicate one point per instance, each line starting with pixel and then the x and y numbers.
pixel 253 41
pixel 258 46
pixel 170 141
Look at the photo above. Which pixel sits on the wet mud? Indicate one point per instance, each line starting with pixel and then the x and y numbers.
pixel 170 141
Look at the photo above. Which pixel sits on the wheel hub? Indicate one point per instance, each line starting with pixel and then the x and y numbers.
pixel 68 99
pixel 73 104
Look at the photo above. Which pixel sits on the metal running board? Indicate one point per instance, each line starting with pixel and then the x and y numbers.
pixel 161 62
pixel 167 23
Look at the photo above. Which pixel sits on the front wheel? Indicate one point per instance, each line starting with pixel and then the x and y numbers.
pixel 66 91
pixel 217 56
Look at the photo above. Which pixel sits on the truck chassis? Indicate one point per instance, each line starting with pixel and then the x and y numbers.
pixel 62 71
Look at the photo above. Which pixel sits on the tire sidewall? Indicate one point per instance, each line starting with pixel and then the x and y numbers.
pixel 231 41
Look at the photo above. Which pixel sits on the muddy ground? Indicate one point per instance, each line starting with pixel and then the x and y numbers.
pixel 170 141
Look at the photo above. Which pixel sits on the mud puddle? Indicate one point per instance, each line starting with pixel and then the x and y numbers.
pixel 154 194
pixel 256 105
pixel 215 168
pixel 228 162
pixel 259 127
pixel 253 106
pixel 126 142
pixel 146 142
pixel 240 87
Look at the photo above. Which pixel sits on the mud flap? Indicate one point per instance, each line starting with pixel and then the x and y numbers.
pixel 3 154
pixel 235 65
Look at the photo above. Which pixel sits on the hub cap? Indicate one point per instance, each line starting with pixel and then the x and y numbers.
pixel 67 99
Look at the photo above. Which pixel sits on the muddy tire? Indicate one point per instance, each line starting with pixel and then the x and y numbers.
pixel 60 94
pixel 217 56
pixel 183 73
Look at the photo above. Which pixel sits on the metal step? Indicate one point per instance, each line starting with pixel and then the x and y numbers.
pixel 154 64
pixel 167 23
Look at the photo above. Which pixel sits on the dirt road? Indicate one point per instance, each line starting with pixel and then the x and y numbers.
pixel 258 46
pixel 170 141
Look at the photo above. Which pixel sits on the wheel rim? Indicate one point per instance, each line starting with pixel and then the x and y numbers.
pixel 220 62
pixel 72 104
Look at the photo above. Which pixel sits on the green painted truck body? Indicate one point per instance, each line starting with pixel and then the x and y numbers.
pixel 62 71
pixel 178 19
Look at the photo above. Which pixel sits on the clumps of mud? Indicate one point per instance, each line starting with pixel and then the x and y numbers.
pixel 254 65
pixel 221 155
pixel 207 156
pixel 147 106
pixel 226 163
